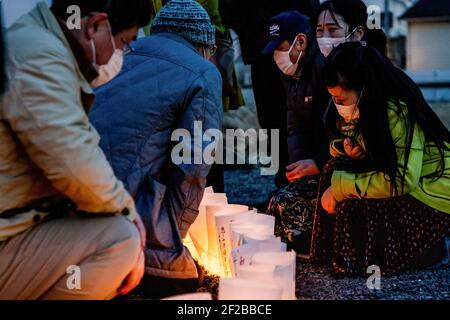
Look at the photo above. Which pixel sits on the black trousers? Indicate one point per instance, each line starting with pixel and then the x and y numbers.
pixel 270 98
pixel 216 178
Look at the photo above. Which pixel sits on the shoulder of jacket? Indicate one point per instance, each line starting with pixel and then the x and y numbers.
pixel 210 70
pixel 396 108
pixel 28 42
pixel 397 115
pixel 177 54
pixel 204 74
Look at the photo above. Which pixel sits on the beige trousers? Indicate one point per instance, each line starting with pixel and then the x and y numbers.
pixel 34 264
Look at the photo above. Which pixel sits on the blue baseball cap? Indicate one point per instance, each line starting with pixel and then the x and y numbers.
pixel 286 26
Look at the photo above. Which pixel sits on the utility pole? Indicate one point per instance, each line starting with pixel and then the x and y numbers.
pixel 386 18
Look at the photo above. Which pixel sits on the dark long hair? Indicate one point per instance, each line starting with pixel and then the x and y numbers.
pixel 354 66
pixel 355 14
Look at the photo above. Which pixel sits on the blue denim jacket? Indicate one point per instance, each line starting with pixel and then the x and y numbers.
pixel 165 85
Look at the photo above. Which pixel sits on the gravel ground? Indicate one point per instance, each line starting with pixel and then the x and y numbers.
pixel 316 283
pixel 247 186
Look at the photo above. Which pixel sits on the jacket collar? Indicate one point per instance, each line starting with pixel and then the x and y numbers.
pixel 45 18
pixel 176 38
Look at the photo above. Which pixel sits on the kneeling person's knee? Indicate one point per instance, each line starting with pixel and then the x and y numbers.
pixel 124 234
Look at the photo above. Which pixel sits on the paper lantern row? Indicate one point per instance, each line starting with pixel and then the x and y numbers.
pixel 239 245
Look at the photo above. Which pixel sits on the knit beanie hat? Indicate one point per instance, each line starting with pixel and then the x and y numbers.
pixel 186 18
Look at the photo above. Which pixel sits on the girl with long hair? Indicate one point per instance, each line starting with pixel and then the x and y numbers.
pixel 390 204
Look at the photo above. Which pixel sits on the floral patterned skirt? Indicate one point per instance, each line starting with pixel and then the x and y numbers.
pixel 389 233
pixel 293 207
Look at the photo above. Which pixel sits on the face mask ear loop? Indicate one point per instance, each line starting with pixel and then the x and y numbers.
pixel 202 52
pixel 351 33
pixel 94 53
pixel 359 100
pixel 112 37
pixel 292 47
pixel 360 96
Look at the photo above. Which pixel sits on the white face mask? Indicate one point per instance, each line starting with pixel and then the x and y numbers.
pixel 350 112
pixel 284 63
pixel 328 44
pixel 108 71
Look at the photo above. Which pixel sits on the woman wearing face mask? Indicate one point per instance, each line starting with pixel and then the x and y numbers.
pixel 121 36
pixel 393 211
pixel 340 21
pixel 297 56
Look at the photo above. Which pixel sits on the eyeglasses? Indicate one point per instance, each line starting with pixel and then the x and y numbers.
pixel 212 49
pixel 127 49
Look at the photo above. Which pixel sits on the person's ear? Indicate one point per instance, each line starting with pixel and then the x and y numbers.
pixel 94 22
pixel 359 33
pixel 302 42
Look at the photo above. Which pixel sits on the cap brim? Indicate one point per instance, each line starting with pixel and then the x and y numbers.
pixel 272 46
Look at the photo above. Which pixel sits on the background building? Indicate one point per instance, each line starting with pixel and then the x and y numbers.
pixel 428 45
pixel 395 28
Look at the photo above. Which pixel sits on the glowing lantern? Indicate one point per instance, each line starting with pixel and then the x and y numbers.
pixel 285 266
pixel 233 241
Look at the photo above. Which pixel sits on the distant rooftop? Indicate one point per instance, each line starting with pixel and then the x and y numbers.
pixel 428 9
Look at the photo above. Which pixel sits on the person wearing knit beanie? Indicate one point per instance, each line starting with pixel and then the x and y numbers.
pixel 167 90
pixel 188 19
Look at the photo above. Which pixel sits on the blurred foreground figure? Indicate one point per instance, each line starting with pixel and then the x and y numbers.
pixel 167 84
pixel 67 224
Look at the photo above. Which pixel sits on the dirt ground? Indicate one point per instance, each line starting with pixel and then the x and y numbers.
pixel 315 282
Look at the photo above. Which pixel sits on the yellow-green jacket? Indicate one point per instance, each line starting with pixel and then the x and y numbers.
pixel 423 163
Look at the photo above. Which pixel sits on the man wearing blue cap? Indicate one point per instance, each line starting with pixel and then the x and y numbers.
pixel 297 55
pixel 249 19
pixel 288 39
